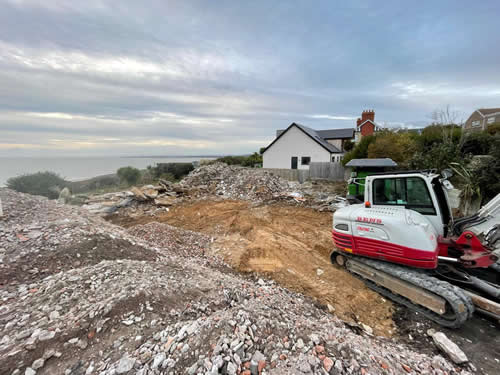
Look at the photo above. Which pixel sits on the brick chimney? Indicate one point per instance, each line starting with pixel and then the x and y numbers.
pixel 358 122
pixel 368 114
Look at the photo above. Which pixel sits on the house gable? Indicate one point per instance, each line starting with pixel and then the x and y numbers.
pixel 294 142
pixel 308 132
pixel 481 118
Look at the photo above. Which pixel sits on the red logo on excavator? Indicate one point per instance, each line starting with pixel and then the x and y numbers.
pixel 370 220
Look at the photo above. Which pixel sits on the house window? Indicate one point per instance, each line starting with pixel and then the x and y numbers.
pixel 305 160
pixel 491 120
pixel 476 123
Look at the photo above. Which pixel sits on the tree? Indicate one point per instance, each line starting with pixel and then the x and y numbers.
pixel 348 145
pixel 129 175
pixel 399 147
pixel 446 116
pixel 360 151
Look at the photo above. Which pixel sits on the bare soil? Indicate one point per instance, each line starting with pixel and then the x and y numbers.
pixel 288 244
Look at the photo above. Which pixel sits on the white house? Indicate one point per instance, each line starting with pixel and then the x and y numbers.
pixel 297 146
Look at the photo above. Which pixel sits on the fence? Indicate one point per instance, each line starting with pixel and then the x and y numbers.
pixel 300 175
pixel 317 170
pixel 327 171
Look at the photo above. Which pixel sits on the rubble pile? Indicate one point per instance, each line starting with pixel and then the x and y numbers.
pixel 257 185
pixel 147 198
pixel 177 241
pixel 161 312
pixel 216 180
pixel 235 182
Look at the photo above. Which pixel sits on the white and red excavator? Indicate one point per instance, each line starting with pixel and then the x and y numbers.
pixel 403 242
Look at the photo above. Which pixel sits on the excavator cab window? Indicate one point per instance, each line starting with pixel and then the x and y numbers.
pixel 410 192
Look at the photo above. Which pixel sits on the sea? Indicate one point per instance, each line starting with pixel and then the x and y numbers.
pixel 81 168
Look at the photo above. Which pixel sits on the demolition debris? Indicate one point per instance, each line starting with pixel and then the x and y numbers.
pixel 146 308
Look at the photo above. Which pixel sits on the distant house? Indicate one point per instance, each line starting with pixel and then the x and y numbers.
pixel 297 146
pixel 480 119
pixel 366 125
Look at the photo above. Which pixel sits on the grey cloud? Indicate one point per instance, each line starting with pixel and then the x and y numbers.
pixel 232 71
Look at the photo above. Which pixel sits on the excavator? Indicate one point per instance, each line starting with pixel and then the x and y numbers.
pixel 404 243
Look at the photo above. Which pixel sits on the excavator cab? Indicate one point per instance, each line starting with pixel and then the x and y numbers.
pixel 420 191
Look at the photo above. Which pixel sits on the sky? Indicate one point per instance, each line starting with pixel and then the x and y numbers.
pixel 186 77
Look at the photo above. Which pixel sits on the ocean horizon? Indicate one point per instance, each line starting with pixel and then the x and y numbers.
pixel 80 168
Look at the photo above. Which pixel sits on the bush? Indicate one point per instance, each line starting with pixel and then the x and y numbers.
pixel 93 184
pixel 177 170
pixel 494 128
pixel 48 184
pixel 439 157
pixel 246 161
pixel 129 175
pixel 477 143
pixel 435 134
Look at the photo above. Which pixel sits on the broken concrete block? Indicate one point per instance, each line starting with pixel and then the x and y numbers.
pixel 449 347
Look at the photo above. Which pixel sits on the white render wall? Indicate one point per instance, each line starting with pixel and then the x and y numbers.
pixel 294 143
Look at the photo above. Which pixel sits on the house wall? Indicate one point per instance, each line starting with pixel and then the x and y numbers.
pixel 472 118
pixel 293 143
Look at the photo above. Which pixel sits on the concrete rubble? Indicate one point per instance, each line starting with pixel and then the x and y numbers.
pixel 220 181
pixel 82 296
pixel 449 347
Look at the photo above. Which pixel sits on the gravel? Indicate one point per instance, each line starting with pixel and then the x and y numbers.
pixel 184 312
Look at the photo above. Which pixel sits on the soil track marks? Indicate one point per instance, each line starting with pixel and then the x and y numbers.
pixel 288 244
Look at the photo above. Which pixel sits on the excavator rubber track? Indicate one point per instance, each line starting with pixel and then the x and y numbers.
pixel 458 305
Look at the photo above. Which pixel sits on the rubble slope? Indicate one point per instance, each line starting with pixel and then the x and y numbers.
pixel 157 308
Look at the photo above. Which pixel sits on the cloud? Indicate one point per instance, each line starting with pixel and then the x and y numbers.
pixel 178 76
pixel 332 117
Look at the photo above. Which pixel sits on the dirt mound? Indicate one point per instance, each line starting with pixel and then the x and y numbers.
pixel 290 244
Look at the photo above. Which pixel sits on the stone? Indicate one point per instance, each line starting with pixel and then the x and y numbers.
pixel 367 328
pixel 449 347
pixel 125 365
pixel 150 193
pixel 327 364
pixel 38 363
pixel 54 315
pixel 300 344
pixel 315 339
pixel 139 195
pixel 29 371
pixel 165 201
pixel 158 360
pixel 319 272
pixel 231 368
pixel 46 335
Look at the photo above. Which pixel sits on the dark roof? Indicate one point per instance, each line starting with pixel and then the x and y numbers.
pixel 314 135
pixel 329 133
pixel 311 133
pixel 336 133
pixel 488 111
pixel 385 162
